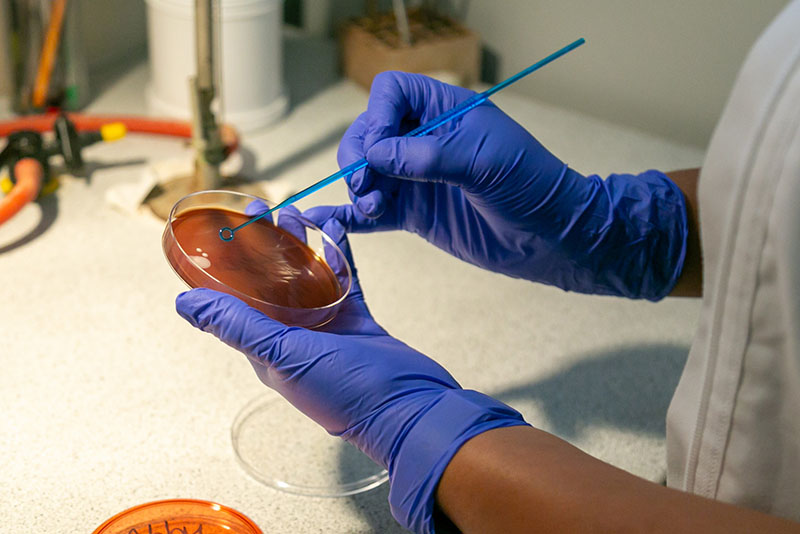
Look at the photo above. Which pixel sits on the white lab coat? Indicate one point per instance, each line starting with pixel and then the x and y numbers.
pixel 733 428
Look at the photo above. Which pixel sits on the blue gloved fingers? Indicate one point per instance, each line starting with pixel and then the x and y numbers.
pixel 370 201
pixel 396 100
pixel 457 157
pixel 289 220
pixel 335 231
pixel 282 357
pixel 351 149
pixel 372 204
pixel 388 105
pixel 348 215
pixel 353 318
pixel 236 324
pixel 333 220
pixel 415 158
pixel 398 96
pixel 257 207
pixel 361 181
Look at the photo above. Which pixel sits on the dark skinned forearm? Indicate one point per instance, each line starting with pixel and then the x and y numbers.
pixel 521 479
pixel 690 283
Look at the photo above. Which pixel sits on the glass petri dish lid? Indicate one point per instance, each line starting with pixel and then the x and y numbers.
pixel 284 449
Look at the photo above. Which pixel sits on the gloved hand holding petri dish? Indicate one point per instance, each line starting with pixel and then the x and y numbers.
pixel 296 274
pixel 292 272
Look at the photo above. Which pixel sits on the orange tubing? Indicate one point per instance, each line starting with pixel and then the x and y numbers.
pixel 29 174
pixel 9 205
pixel 134 124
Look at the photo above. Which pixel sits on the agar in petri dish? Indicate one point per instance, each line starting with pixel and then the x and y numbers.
pixel 271 267
pixel 188 516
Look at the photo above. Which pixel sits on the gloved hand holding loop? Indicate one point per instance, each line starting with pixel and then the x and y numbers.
pixel 486 191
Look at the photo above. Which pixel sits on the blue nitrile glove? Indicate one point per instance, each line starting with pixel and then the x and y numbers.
pixel 396 405
pixel 484 190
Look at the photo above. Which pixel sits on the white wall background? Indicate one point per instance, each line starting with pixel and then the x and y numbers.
pixel 665 66
pixel 113 30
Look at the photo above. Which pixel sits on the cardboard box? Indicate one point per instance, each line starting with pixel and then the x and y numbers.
pixel 455 50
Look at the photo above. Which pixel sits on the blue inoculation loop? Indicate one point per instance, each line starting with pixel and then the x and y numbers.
pixel 227 234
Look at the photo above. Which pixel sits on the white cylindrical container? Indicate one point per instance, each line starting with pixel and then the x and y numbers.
pixel 251 59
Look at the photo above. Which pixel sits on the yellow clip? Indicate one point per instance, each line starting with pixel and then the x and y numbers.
pixel 6 185
pixel 49 187
pixel 113 131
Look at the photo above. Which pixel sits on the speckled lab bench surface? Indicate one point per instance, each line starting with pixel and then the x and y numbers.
pixel 110 399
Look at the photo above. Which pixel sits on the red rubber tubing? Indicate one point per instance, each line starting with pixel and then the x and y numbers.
pixel 134 124
pixel 29 174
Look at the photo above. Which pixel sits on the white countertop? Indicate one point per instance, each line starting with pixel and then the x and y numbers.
pixel 110 399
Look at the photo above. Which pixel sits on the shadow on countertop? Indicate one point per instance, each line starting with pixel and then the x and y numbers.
pixel 48 204
pixel 629 388
pixel 49 213
pixel 276 169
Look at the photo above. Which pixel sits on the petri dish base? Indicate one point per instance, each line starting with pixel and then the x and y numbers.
pixel 280 447
pixel 290 270
pixel 179 515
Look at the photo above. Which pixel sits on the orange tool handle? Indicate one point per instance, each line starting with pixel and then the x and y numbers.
pixel 49 51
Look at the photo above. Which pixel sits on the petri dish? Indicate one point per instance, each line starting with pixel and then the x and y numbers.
pixel 284 449
pixel 179 515
pixel 291 271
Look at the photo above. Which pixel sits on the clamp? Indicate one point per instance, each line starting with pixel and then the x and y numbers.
pixel 27 156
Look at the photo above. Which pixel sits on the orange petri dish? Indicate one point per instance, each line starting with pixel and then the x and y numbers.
pixel 184 516
pixel 284 270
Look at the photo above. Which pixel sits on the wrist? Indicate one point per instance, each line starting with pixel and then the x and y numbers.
pixel 641 252
pixel 623 236
pixel 428 445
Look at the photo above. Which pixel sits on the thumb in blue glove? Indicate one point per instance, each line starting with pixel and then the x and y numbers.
pixel 396 405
